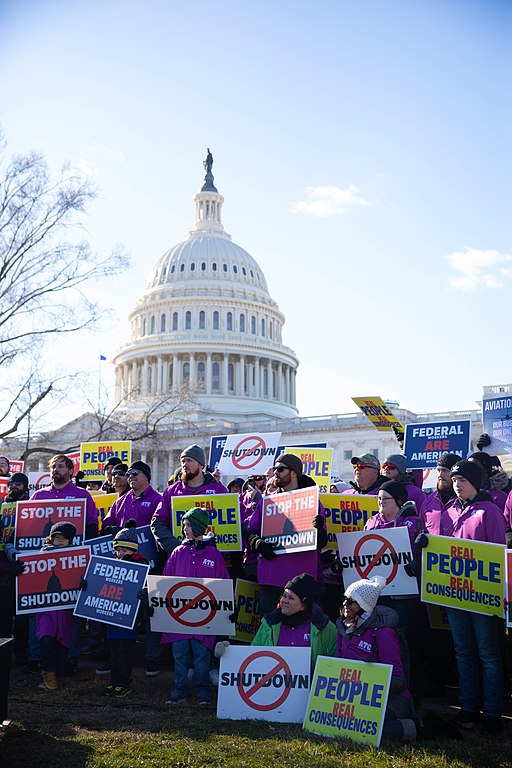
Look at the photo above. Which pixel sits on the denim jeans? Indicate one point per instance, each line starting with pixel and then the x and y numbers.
pixel 476 641
pixel 189 653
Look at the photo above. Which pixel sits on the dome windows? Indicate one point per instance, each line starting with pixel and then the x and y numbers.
pixel 253 325
pixel 224 267
pixel 163 321
pixel 216 323
pixel 244 271
pixel 242 323
pixel 175 321
pixel 203 266
pixel 235 269
pixel 153 324
pixel 192 267
pixel 182 267
pixel 202 320
pixel 229 321
pixel 173 269
pixel 188 321
pixel 262 326
pixel 214 267
pixel 252 273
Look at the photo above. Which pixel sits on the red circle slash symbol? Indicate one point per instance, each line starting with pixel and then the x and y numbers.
pixel 385 545
pixel 246 695
pixel 204 593
pixel 247 459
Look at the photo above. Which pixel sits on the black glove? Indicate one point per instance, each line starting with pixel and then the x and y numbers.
pixel 421 540
pixel 83 584
pixel 322 538
pixel 318 522
pixel 483 441
pixel 399 434
pixel 110 530
pixel 266 549
pixel 15 568
pixel 234 616
pixel 142 595
pixel 409 567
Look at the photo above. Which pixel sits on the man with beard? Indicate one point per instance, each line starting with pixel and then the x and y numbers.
pixel 195 481
pixel 274 574
pixel 436 503
pixel 17 488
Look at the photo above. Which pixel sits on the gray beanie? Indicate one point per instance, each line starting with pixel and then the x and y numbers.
pixel 399 460
pixel 194 452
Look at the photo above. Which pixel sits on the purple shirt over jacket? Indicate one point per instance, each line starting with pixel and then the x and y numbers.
pixel 70 491
pixel 204 563
pixel 129 505
pixel 479 521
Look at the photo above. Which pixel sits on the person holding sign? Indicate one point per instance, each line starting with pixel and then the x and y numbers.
pixel 196 556
pixel 273 574
pixel 297 621
pixel 54 628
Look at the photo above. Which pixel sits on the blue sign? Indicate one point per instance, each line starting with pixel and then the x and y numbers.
pixel 426 443
pixel 103 545
pixel 217 445
pixel 111 592
pixel 497 420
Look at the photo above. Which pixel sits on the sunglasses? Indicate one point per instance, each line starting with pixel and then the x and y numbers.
pixel 119 474
pixel 280 469
pixel 389 466
pixel 364 466
pixel 133 473
pixel 259 477
pixel 348 601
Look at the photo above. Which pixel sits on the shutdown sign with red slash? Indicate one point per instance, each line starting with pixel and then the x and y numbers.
pixel 249 454
pixel 191 606
pixel 259 682
pixel 384 552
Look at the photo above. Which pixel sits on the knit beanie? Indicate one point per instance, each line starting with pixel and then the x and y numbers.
pixel 395 489
pixel 112 461
pixel 120 469
pixel 399 460
pixel 448 460
pixel 238 480
pixel 194 452
pixel 366 592
pixel 199 520
pixel 141 466
pixel 471 470
pixel 19 477
pixel 67 530
pixel 290 461
pixel 485 459
pixel 127 537
pixel 304 586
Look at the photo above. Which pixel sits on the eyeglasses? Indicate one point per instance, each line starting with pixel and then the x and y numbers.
pixel 386 465
pixel 348 601
pixel 384 499
pixel 364 466
pixel 280 469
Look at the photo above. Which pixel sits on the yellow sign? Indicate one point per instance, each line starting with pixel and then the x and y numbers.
pixel 460 573
pixel 376 410
pixel 224 509
pixel 348 699
pixel 103 503
pixel 8 517
pixel 345 513
pixel 316 462
pixel 93 457
pixel 247 601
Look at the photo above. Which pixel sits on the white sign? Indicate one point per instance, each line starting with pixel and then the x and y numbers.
pixel 38 480
pixel 379 552
pixel 191 606
pixel 267 683
pixel 249 454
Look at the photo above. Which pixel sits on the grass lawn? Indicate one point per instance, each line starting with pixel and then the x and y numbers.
pixel 74 728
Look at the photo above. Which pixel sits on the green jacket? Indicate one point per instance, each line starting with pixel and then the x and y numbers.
pixel 323 633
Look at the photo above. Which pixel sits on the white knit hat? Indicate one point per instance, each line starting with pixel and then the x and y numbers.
pixel 366 592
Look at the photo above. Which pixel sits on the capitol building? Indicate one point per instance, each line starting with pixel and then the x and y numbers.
pixel 207 345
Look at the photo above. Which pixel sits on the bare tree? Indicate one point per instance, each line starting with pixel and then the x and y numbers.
pixel 45 268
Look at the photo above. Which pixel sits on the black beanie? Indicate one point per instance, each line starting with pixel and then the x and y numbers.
pixel 304 586
pixel 471 470
pixel 67 530
pixel 141 466
pixel 448 460
pixel 290 461
pixel 19 477
pixel 397 490
pixel 485 459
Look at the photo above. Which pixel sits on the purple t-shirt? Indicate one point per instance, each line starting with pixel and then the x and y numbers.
pixel 70 491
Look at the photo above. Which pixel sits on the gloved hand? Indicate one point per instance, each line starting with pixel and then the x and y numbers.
pixel 220 648
pixel 83 584
pixel 10 552
pixel 399 434
pixel 142 595
pixel 266 549
pixel 110 530
pixel 409 567
pixel 421 540
pixel 15 568
pixel 322 538
pixel 234 616
pixel 318 522
pixel 483 441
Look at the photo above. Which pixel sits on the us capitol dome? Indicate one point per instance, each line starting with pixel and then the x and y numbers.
pixel 207 323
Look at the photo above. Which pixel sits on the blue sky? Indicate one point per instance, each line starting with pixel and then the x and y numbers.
pixel 363 149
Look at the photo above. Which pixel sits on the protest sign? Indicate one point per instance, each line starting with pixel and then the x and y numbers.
pixel 75 458
pixel 345 513
pixel 249 453
pixel 508 587
pixel 191 606
pixel 111 592
pixel 93 457
pixel 218 442
pixel 247 601
pixel 103 503
pixel 497 423
pixel 378 413
pixel 35 518
pixel 3 487
pixel 51 580
pixel 286 520
pixel 384 552
pixel 38 480
pixel 103 545
pixel 15 465
pixel 8 521
pixel 460 573
pixel 426 443
pixel 224 511
pixel 348 699
pixel 316 463
pixel 264 683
